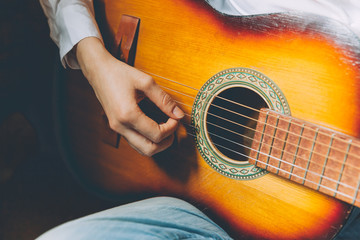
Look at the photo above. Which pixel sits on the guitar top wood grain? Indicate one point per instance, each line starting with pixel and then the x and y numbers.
pixel 313 61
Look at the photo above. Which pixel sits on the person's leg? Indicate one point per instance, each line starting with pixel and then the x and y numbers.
pixel 154 218
pixel 351 229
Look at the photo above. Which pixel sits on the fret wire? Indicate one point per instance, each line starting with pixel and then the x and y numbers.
pixel 356 193
pixel 257 130
pixel 343 165
pixel 273 139
pixel 310 155
pixel 284 145
pixel 228 100
pixel 325 187
pixel 261 140
pixel 297 150
pixel 283 161
pixel 326 160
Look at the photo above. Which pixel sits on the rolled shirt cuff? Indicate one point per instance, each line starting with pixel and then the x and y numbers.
pixel 75 22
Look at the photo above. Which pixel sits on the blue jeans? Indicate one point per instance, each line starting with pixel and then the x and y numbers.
pixel 351 230
pixel 154 218
pixel 157 218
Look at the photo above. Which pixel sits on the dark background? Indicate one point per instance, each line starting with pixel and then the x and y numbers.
pixel 36 190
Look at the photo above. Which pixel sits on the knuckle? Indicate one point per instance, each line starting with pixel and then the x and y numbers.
pixel 114 124
pixel 150 150
pixel 157 138
pixel 148 154
pixel 125 116
pixel 121 118
pixel 147 82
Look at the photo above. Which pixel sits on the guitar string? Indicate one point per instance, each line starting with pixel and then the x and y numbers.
pixel 271 146
pixel 271 136
pixel 265 154
pixel 266 134
pixel 236 103
pixel 279 159
pixel 270 125
pixel 252 129
pixel 284 171
pixel 292 174
pixel 332 135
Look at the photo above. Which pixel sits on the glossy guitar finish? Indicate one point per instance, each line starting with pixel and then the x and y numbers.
pixel 313 61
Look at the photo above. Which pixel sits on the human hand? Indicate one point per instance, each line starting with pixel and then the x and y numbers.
pixel 117 87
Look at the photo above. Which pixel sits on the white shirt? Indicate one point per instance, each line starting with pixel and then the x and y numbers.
pixel 72 20
pixel 69 22
pixel 344 11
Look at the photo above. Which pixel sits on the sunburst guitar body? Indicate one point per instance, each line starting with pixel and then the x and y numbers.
pixel 297 65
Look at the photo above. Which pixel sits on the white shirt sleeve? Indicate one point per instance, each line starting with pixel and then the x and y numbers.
pixel 70 21
pixel 344 11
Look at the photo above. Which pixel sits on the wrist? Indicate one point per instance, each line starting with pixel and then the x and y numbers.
pixel 91 55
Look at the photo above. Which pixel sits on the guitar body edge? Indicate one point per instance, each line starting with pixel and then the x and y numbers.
pixel 203 42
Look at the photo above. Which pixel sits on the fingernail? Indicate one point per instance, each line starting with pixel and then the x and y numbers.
pixel 178 112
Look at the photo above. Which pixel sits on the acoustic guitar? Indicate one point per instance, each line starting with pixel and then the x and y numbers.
pixel 269 146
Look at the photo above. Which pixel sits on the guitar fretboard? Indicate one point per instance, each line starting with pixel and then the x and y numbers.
pixel 314 156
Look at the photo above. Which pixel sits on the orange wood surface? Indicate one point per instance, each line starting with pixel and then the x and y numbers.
pixel 188 42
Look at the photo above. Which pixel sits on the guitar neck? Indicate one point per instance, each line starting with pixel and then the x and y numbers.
pixel 311 155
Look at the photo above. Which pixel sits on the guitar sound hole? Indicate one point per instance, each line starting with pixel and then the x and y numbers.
pixel 230 123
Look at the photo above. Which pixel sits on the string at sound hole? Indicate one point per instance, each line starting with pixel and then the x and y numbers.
pixel 220 129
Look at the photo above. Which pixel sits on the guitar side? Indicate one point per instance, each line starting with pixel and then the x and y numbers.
pixel 203 42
